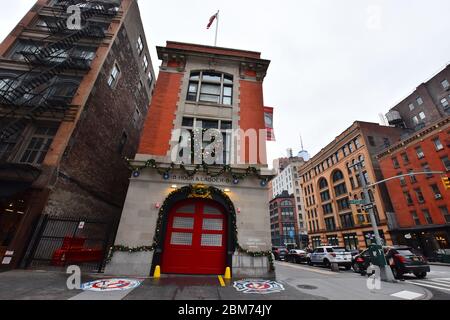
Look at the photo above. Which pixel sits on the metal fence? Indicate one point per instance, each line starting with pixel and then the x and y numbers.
pixel 53 235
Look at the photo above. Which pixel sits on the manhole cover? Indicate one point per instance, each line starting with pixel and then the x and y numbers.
pixel 306 287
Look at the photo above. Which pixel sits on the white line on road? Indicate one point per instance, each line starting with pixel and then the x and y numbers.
pixel 441 282
pixel 284 264
pixel 416 282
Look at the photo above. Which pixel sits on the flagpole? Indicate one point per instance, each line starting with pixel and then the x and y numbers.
pixel 217 28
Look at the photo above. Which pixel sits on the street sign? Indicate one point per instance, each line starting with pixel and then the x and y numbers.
pixel 356 202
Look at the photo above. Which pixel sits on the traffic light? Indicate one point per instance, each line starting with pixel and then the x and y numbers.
pixel 446 182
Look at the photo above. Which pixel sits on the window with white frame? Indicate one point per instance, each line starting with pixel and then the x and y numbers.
pixel 444 103
pixel 38 145
pixel 150 79
pixel 223 126
pixel 140 45
pixel 145 62
pixel 411 107
pixel 419 101
pixel 210 87
pixel 422 116
pixel 445 84
pixel 114 76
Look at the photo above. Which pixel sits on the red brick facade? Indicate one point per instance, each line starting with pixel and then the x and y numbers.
pixel 421 204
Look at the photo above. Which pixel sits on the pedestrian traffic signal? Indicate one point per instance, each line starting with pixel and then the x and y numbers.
pixel 446 182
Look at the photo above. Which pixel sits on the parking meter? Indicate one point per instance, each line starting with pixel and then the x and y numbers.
pixel 377 255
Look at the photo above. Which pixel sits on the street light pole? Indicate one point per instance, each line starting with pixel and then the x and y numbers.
pixel 386 272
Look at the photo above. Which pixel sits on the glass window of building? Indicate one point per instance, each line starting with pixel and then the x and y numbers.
pixel 210 87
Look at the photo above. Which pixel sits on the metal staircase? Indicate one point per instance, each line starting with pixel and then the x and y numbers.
pixel 24 98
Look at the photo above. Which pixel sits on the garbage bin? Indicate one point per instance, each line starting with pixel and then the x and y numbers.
pixel 377 255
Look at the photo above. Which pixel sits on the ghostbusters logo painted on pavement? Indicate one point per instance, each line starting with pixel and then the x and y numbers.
pixel 111 285
pixel 258 286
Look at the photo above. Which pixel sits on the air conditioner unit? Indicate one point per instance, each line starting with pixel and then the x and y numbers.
pixel 438 196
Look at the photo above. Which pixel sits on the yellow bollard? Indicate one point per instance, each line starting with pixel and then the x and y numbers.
pixel 227 274
pixel 157 273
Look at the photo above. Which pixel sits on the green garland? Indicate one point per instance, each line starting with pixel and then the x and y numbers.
pixel 162 210
pixel 250 171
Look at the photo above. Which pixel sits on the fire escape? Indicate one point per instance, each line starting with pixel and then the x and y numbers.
pixel 28 96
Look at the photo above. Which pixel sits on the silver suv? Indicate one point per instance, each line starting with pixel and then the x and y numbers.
pixel 327 255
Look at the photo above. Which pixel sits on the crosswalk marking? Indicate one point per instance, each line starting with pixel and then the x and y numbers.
pixel 438 283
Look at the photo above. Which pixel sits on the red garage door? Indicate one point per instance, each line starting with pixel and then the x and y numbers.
pixel 195 241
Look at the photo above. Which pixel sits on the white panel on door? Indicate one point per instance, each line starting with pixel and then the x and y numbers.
pixel 190 208
pixel 211 240
pixel 211 210
pixel 181 239
pixel 213 224
pixel 183 223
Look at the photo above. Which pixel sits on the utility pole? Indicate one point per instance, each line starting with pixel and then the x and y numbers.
pixel 386 272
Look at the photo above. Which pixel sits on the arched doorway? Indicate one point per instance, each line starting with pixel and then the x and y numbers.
pixel 196 238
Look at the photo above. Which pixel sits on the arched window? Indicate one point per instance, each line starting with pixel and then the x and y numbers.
pixel 210 87
pixel 338 176
pixel 323 183
pixel 286 203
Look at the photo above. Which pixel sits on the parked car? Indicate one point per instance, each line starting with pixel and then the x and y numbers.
pixel 328 255
pixel 404 260
pixel 361 262
pixel 297 256
pixel 279 253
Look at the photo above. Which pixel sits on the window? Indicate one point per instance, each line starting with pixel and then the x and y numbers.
pixel 422 116
pixel 114 76
pixel 436 191
pixel 446 163
pixel 340 189
pixel 396 163
pixel 210 87
pixel 415 120
pixel 405 158
pixel 39 145
pixel 206 124
pixel 325 196
pixel 445 84
pixel 427 216
pixel 122 143
pixel 412 177
pixel 343 204
pixel 419 101
pixel 402 180
pixel 347 221
pixel 411 107
pixel 444 103
pixel 357 143
pixel 415 218
pixel 420 153
pixel 371 141
pixel 327 209
pixel 438 144
pixel 426 168
pixel 351 241
pixel 330 224
pixel 323 184
pixel 145 63
pixel 408 198
pixel 140 45
pixel 338 176
pixel 136 115
pixel 445 213
pixel 419 195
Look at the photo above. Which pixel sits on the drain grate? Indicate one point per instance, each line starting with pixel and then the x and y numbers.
pixel 306 287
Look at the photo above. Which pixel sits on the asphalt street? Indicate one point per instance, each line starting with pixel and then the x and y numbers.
pixel 297 282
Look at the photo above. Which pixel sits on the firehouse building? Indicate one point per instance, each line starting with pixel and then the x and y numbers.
pixel 191 218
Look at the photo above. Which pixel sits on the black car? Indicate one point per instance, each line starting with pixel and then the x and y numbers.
pixel 279 253
pixel 361 262
pixel 404 260
pixel 297 256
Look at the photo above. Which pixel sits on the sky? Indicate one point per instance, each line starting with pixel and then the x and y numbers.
pixel 333 61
